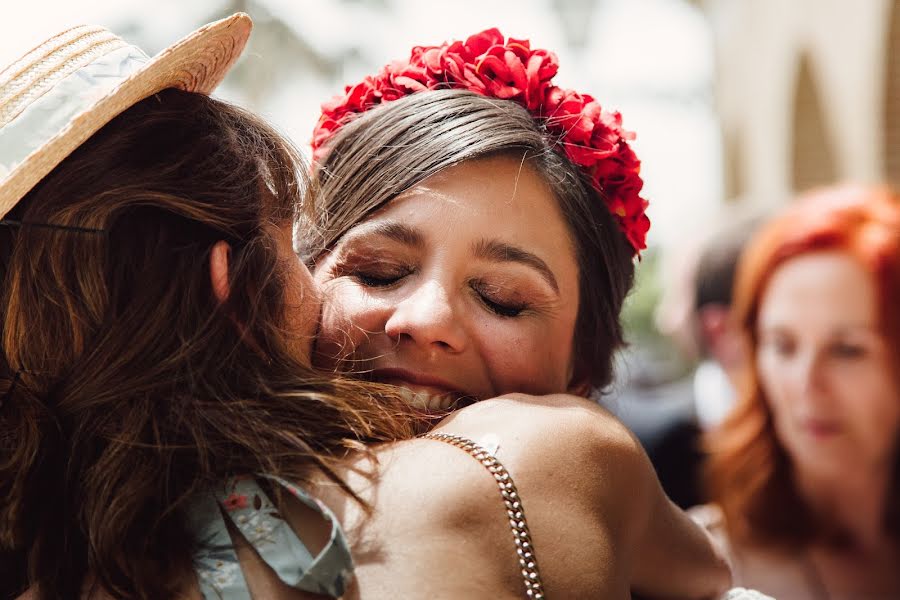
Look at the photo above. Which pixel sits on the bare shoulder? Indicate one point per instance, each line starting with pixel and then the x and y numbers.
pixel 559 419
pixel 567 438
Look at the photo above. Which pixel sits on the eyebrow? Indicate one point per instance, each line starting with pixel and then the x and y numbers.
pixel 857 328
pixel 398 232
pixel 497 251
pixel 492 250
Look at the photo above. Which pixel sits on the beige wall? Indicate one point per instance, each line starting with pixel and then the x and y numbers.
pixel 759 44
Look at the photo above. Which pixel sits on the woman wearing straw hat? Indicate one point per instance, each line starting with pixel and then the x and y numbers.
pixel 156 394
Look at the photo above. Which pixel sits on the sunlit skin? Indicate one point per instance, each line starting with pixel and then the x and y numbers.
pixel 464 286
pixel 826 368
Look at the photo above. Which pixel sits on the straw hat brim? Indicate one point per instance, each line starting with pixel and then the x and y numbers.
pixel 196 63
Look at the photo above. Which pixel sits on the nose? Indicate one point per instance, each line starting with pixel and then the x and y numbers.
pixel 427 317
pixel 811 373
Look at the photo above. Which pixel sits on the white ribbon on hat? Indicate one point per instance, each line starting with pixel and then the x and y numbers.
pixel 48 115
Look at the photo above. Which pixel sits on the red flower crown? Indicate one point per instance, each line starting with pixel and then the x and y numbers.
pixel 592 137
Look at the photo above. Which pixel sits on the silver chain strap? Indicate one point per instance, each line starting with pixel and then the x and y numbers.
pixel 534 588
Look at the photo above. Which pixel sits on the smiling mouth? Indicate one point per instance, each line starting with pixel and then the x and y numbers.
pixel 424 393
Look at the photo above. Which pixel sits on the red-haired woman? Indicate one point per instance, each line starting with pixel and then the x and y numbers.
pixel 806 472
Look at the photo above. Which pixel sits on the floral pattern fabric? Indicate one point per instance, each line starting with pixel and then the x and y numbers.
pixel 251 511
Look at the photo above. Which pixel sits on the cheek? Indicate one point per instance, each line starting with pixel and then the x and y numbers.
pixel 778 377
pixel 874 405
pixel 347 315
pixel 527 358
pixel 775 380
pixel 772 371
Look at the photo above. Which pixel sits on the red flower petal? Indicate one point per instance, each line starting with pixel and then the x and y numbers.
pixel 480 42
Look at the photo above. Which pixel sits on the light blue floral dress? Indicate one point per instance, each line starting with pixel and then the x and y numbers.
pixel 251 511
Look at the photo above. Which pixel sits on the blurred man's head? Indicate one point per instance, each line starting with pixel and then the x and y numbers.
pixel 717 337
pixel 694 311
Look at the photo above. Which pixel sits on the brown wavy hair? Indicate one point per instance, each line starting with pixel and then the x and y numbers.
pixel 126 387
pixel 397 145
pixel 749 472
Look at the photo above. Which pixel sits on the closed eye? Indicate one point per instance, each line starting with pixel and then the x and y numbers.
pixel 369 274
pixel 494 300
pixel 847 351
pixel 376 281
pixel 379 278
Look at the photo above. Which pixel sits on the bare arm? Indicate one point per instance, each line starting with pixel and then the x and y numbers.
pixel 675 558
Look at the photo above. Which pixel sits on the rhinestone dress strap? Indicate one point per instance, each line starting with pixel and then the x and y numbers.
pixel 534 588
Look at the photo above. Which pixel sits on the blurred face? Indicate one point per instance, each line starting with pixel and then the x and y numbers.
pixel 825 367
pixel 464 286
pixel 302 300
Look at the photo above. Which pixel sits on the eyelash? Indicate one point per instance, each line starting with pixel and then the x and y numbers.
pixel 378 279
pixel 386 278
pixel 505 311
pixel 508 310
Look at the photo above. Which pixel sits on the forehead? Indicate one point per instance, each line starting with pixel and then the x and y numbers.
pixel 822 289
pixel 504 191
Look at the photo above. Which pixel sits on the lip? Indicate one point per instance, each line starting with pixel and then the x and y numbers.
pixel 407 378
pixel 819 428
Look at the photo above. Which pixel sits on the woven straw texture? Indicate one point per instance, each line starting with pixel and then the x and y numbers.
pixel 197 63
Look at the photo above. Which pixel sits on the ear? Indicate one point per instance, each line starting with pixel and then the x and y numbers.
pixel 581 387
pixel 722 339
pixel 218 270
pixel 579 381
pixel 713 320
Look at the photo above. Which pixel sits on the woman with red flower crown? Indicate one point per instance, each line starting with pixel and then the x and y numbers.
pixel 467 202
pixel 476 227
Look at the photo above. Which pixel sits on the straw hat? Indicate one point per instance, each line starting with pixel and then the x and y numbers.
pixel 63 91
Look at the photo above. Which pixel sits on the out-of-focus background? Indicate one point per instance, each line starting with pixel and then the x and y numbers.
pixel 737 105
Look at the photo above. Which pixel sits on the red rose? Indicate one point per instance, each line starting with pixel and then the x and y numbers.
pixel 415 55
pixel 522 48
pixel 616 168
pixel 325 128
pixel 613 120
pixel 636 229
pixel 559 101
pixel 503 73
pixel 564 111
pixel 448 65
pixel 479 43
pixel 363 95
pixel 540 68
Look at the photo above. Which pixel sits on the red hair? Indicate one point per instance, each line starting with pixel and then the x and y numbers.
pixel 748 472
